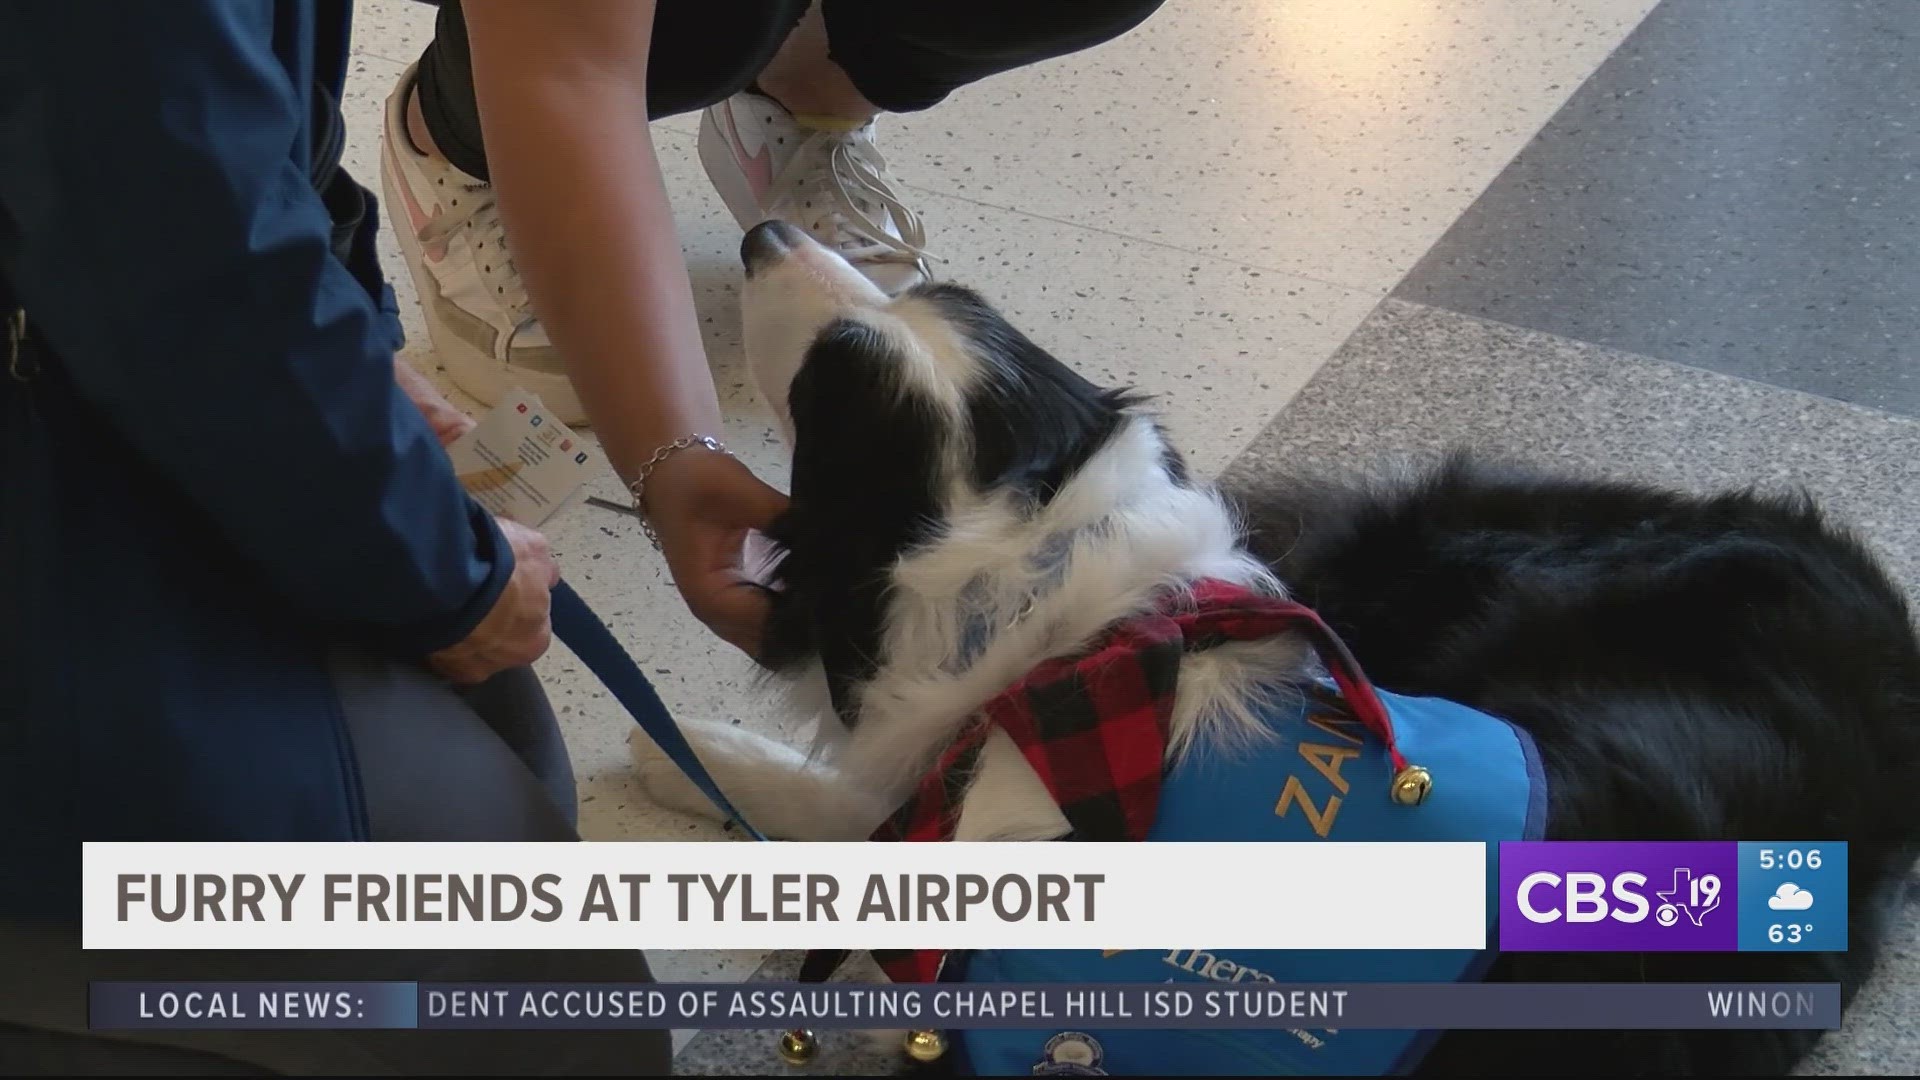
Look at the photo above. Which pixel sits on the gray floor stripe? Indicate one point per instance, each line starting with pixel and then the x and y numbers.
pixel 1737 188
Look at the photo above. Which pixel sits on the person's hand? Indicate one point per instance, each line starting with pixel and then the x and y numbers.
pixel 704 506
pixel 516 631
pixel 446 420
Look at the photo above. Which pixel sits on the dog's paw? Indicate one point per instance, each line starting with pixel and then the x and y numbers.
pixel 664 782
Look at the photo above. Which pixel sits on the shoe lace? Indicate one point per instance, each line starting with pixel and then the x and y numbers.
pixel 482 212
pixel 852 198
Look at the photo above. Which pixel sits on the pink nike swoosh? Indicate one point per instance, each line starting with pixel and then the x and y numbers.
pixel 758 167
pixel 416 217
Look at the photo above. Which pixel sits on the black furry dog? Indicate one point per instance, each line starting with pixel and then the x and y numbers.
pixel 965 506
pixel 1691 669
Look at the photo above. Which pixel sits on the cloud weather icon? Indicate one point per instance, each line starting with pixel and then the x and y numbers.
pixel 1790 897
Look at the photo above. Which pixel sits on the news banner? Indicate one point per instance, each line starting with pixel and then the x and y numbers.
pixel 1184 928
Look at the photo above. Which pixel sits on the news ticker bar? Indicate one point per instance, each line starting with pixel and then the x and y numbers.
pixel 136 1006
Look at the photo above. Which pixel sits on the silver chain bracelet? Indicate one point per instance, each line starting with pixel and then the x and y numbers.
pixel 638 488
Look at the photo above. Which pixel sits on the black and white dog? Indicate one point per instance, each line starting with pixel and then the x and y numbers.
pixel 1690 668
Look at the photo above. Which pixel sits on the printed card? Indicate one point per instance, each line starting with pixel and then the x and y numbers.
pixel 520 462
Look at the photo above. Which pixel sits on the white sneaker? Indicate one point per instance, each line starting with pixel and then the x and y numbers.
pixel 834 184
pixel 475 304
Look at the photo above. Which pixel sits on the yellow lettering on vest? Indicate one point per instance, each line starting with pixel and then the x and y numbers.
pixel 1340 727
pixel 1296 792
pixel 1326 760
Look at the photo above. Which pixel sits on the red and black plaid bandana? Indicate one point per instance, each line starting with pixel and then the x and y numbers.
pixel 1094 725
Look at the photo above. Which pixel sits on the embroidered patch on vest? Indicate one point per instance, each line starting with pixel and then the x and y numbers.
pixel 1071 1053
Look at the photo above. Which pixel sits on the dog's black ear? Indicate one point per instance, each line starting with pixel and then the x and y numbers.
pixel 1036 425
pixel 864 491
pixel 1034 420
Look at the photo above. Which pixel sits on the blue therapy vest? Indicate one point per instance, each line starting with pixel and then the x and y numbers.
pixel 1488 786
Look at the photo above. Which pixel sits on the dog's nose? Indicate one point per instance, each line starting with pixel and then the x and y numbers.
pixel 768 243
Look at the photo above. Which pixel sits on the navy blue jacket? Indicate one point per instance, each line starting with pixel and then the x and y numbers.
pixel 208 478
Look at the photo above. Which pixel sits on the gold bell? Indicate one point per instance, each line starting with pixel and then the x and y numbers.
pixel 797 1047
pixel 1412 785
pixel 926 1046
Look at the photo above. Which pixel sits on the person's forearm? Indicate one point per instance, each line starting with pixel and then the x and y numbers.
pixel 588 217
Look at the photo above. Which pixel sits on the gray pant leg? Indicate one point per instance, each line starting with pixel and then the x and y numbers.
pixel 486 763
pixel 436 764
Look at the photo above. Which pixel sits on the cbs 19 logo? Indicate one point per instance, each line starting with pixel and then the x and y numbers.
pixel 1582 896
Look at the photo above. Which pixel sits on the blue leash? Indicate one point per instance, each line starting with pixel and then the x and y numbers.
pixel 575 624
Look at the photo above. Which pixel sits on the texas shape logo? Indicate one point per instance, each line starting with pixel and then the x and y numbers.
pixel 1688 897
